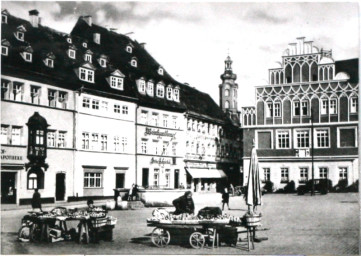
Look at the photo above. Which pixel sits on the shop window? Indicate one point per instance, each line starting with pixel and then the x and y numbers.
pixel 35 94
pixel 35 178
pixel 93 180
pixel 284 175
pixel 303 175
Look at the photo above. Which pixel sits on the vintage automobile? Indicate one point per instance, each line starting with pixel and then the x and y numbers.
pixel 321 185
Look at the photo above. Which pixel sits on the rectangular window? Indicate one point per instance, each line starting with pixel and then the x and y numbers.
pixel 323 172
pixel 95 104
pixel 169 93
pixel 52 98
pixel 167 178
pixel 50 63
pixel 16 135
pixel 354 105
pixel 104 106
pixel 296 108
pixel 62 98
pixel 266 174
pixel 322 138
pixel 156 147
pixel 333 106
pixel 71 54
pixel 144 146
pixel 283 139
pixel 92 180
pixel 144 117
pixel 124 144
pixel 35 94
pixel 150 88
pixel 125 110
pixel 174 149
pixel 142 86
pixel 324 107
pixel 5 89
pixel 85 140
pixel 95 141
pixel 343 173
pixel 302 139
pixel 4 50
pixel 175 124
pixel 304 108
pixel 269 109
pixel 116 82
pixel 165 148
pixel 18 91
pixel 116 144
pixel 160 91
pixel 303 175
pixel 4 134
pixel 347 137
pixel 61 139
pixel 156 177
pixel 104 142
pixel 28 56
pixel 88 57
pixel 116 108
pixel 51 139
pixel 264 140
pixel 165 120
pixel 155 119
pixel 86 75
pixel 176 95
pixel 86 102
pixel 284 175
pixel 277 109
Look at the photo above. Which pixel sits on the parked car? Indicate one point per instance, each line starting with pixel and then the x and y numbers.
pixel 241 190
pixel 321 185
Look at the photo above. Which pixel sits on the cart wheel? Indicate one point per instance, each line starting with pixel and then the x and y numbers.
pixel 24 234
pixel 160 237
pixel 197 240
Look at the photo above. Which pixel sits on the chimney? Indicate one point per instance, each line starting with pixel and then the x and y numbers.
pixel 300 44
pixel 88 20
pixel 96 38
pixel 34 18
pixel 142 45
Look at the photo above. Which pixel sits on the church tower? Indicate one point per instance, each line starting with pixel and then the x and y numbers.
pixel 228 89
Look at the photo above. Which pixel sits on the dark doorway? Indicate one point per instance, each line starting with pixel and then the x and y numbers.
pixel 8 191
pixel 60 187
pixel 176 178
pixel 145 178
pixel 119 180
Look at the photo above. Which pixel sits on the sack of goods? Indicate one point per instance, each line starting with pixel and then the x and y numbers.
pixel 209 212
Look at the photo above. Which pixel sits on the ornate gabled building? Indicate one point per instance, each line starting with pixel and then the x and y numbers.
pixel 110 114
pixel 305 119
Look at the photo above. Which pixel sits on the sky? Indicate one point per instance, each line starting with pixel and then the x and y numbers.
pixel 192 40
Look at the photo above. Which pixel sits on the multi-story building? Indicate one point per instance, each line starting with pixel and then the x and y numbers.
pixel 306 119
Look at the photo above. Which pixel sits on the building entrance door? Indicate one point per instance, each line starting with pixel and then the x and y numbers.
pixel 145 177
pixel 60 187
pixel 119 180
pixel 8 191
pixel 176 178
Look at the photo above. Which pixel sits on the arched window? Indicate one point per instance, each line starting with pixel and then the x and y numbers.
pixel 320 74
pixel 35 178
pixel 313 68
pixel 32 181
pixel 277 78
pixel 288 75
pixel 226 92
pixel 325 73
pixel 226 104
pixel 134 63
pixel 296 73
pixel 305 72
pixel 330 73
pixel 272 78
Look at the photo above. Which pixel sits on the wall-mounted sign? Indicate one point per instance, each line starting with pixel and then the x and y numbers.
pixel 160 160
pixel 5 156
pixel 158 132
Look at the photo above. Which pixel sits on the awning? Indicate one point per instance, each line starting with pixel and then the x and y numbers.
pixel 206 173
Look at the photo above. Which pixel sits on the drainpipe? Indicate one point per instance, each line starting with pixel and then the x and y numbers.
pixel 136 143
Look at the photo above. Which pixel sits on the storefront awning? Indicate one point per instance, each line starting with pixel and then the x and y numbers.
pixel 206 173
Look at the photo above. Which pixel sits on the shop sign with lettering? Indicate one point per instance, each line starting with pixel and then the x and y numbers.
pixel 11 156
pixel 160 160
pixel 159 133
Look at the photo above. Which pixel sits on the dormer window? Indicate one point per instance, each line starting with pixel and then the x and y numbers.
pixel 4 50
pixel 129 49
pixel 169 93
pixel 69 40
pixel 71 53
pixel 103 62
pixel 141 85
pixel 150 88
pixel 28 56
pixel 160 71
pixel 176 94
pixel 49 62
pixel 134 62
pixel 85 45
pixel 160 90
pixel 116 82
pixel 20 36
pixel 4 19
pixel 88 58
pixel 86 75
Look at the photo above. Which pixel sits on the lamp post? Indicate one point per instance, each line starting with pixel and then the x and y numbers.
pixel 312 160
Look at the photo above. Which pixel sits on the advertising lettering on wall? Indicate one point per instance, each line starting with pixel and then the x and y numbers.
pixel 159 133
pixel 10 157
pixel 160 160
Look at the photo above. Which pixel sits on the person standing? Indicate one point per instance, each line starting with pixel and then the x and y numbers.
pixel 225 198
pixel 36 200
pixel 184 204
pixel 130 193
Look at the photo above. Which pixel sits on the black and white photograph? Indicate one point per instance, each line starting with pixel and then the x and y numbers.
pixel 180 128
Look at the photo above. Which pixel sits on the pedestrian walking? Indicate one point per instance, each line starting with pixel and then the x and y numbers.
pixel 36 200
pixel 130 193
pixel 225 198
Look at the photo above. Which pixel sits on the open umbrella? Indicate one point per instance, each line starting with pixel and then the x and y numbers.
pixel 253 193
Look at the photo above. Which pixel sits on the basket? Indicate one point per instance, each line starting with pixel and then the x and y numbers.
pixel 99 222
pixel 112 221
pixel 252 220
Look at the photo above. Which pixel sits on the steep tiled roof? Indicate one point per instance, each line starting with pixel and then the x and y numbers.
pixel 350 67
